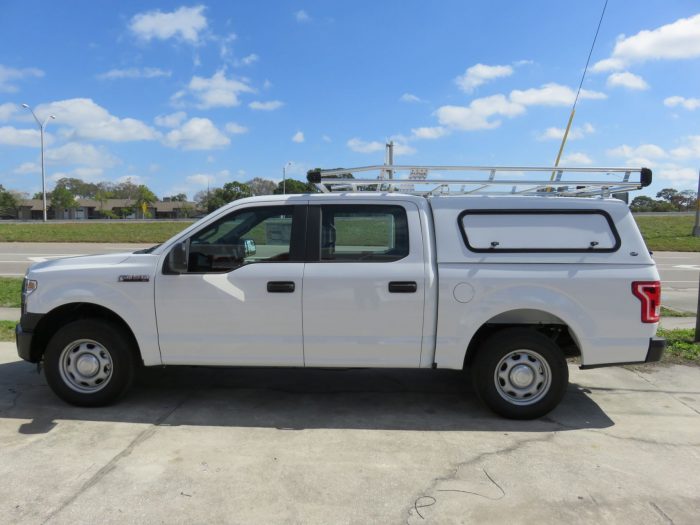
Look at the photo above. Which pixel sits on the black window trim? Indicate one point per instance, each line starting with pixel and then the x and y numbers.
pixel 313 232
pixel 548 211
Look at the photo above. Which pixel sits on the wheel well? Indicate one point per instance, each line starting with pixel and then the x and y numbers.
pixel 541 321
pixel 58 317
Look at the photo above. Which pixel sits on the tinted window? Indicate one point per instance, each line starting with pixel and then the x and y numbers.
pixel 369 233
pixel 242 237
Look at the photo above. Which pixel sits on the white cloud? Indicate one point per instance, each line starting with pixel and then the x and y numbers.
pixel 11 136
pixel 27 167
pixel 201 179
pixel 185 23
pixel 266 106
pixel 651 151
pixel 552 94
pixel 575 133
pixel 326 138
pixel 690 104
pixel 298 137
pixel 576 158
pixel 248 60
pixel 86 174
pixel 361 146
pixel 476 115
pixel 691 148
pixel 678 176
pixel 8 75
pixel 217 91
pixel 7 111
pixel 235 128
pixel 81 154
pixel 429 132
pixel 409 97
pixel 134 72
pixel 172 120
pixel 302 16
pixel 678 40
pixel 479 113
pixel 196 134
pixel 627 80
pixel 89 120
pixel 479 74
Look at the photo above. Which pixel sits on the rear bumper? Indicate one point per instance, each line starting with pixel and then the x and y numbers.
pixel 657 345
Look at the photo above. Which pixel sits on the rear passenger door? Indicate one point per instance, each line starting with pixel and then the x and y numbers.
pixel 363 285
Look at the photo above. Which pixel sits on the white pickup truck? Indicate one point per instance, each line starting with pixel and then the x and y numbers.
pixel 506 286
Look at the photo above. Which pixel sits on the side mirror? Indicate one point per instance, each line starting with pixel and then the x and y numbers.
pixel 249 247
pixel 178 257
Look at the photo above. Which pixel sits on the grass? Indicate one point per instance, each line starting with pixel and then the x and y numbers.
pixel 680 343
pixel 668 232
pixel 10 292
pixel 7 330
pixel 138 232
pixel 670 312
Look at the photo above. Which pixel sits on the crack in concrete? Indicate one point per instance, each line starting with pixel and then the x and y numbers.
pixel 112 463
pixel 661 513
pixel 454 471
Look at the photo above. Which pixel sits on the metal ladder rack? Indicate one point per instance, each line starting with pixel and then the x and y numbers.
pixel 481 180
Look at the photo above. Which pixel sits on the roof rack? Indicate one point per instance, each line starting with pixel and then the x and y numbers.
pixel 482 180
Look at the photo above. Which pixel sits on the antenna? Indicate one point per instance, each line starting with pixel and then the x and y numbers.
pixel 578 92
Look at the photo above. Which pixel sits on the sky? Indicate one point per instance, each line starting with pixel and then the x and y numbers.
pixel 179 96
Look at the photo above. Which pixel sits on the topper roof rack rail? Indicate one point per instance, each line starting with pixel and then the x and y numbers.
pixel 482 180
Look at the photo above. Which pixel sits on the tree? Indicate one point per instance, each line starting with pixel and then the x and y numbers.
pixel 78 188
pixel 642 203
pixel 217 197
pixel 180 197
pixel 9 203
pixel 260 186
pixel 62 198
pixel 293 186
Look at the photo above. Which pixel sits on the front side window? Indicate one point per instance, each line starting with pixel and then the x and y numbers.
pixel 243 237
pixel 367 233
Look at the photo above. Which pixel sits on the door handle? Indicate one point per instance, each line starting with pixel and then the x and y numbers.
pixel 403 287
pixel 280 286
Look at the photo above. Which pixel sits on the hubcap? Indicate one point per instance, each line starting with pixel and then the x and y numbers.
pixel 85 366
pixel 523 377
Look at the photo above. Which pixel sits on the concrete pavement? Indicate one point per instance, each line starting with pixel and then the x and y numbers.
pixel 197 445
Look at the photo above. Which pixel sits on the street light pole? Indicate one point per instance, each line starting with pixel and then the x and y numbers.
pixel 284 177
pixel 41 132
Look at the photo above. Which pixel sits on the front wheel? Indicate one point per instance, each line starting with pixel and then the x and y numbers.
pixel 520 373
pixel 89 363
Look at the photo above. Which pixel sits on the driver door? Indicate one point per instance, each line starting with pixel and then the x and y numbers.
pixel 239 302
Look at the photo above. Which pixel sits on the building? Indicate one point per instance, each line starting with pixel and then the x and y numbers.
pixel 32 209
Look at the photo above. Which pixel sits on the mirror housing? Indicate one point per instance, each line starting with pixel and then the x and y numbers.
pixel 178 257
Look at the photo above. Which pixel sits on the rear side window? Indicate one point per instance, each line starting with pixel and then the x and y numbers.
pixel 363 233
pixel 540 231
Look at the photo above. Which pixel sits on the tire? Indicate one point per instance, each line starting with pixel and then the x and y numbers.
pixel 520 373
pixel 89 363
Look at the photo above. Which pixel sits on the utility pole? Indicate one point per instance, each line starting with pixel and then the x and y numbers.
pixel 696 228
pixel 284 177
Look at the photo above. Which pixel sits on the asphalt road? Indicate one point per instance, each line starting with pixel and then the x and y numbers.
pixel 198 445
pixel 679 270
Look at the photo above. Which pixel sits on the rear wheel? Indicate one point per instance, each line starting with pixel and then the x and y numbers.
pixel 89 363
pixel 520 373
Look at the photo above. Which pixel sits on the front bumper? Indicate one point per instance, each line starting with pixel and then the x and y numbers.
pixel 657 345
pixel 24 334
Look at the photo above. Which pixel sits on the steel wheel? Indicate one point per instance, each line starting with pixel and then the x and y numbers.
pixel 522 377
pixel 85 366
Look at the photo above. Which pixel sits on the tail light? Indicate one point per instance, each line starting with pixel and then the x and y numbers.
pixel 649 293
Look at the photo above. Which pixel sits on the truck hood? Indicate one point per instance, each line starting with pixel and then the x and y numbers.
pixel 81 261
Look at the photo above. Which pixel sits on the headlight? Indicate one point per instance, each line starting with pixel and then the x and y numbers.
pixel 28 286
